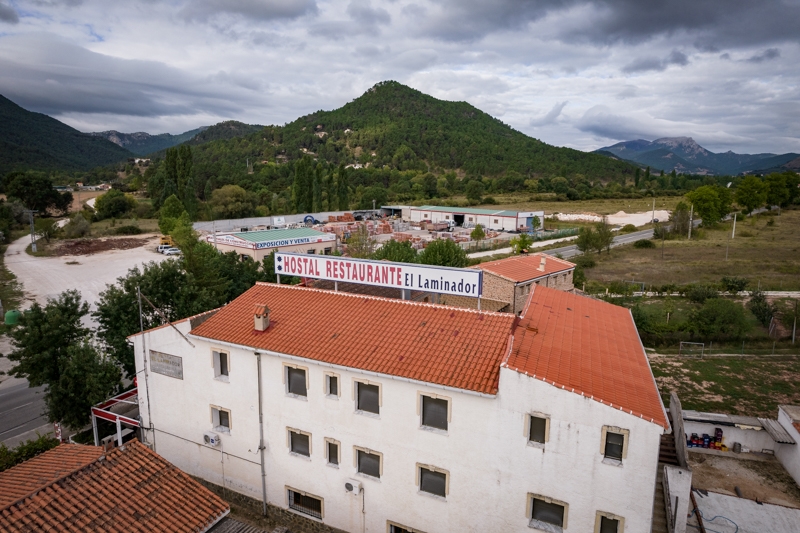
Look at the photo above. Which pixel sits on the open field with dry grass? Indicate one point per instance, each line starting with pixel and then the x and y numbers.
pixel 763 251
pixel 598 206
pixel 718 384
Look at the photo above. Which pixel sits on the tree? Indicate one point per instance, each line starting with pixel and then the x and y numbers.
pixel 77 227
pixel 35 191
pixel 396 251
pixel 777 190
pixel 636 176
pixel 45 228
pixel 474 191
pixel 343 188
pixel 711 202
pixel 604 236
pixel 429 185
pixel 317 189
pixel 478 234
pixel 49 347
pixel 169 214
pixel 647 176
pixel 680 219
pixel 761 308
pixel 113 204
pixel 201 262
pixel 535 223
pixel 360 244
pixel 378 194
pixel 443 252
pixel 586 239
pixel 718 318
pixel 231 201
pixel 751 193
pixel 521 243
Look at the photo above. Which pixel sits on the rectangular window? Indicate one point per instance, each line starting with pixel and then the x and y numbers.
pixel 300 442
pixel 220 365
pixel 331 384
pixel 328 251
pixel 296 381
pixel 332 451
pixel 368 397
pixel 496 221
pixel 221 419
pixel 538 430
pixel 305 503
pixel 547 514
pixel 312 251
pixel 434 412
pixel 396 528
pixel 368 462
pixel 614 444
pixel 433 480
pixel 608 523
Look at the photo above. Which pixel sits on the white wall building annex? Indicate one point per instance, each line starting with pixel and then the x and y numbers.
pixel 448 419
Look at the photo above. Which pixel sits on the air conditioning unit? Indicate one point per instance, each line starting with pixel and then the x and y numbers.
pixel 210 439
pixel 352 486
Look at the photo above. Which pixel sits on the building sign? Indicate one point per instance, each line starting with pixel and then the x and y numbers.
pixel 168 365
pixel 443 280
pixel 294 242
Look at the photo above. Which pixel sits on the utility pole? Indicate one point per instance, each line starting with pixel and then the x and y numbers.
pixel 654 210
pixel 733 233
pixel 691 213
pixel 33 232
pixel 794 327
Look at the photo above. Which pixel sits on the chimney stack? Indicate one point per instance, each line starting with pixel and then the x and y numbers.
pixel 261 317
pixel 542 263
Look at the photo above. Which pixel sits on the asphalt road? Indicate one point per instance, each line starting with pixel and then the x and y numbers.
pixel 21 410
pixel 572 250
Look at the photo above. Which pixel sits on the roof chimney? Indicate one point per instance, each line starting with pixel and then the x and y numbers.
pixel 542 263
pixel 261 317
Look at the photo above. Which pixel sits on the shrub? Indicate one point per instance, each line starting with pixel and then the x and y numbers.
pixel 718 318
pixel 733 284
pixel 644 243
pixel 627 228
pixel 761 308
pixel 585 261
pixel 489 200
pixel 128 230
pixel 77 227
pixel 700 293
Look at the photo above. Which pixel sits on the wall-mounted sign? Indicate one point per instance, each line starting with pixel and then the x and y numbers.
pixel 443 280
pixel 232 240
pixel 166 364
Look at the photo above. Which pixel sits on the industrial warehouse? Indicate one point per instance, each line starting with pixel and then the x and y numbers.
pixel 388 415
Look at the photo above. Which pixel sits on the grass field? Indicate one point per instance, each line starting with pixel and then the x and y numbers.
pixel 105 228
pixel 769 254
pixel 718 385
pixel 598 206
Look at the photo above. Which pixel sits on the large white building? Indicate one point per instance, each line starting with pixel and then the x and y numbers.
pixel 393 416
pixel 469 217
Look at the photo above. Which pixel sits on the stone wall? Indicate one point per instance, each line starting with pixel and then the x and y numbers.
pixel 501 289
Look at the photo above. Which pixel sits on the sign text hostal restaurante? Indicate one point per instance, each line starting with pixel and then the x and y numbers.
pixel 442 280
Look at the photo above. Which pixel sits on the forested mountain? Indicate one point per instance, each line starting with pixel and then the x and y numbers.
pixel 684 155
pixel 33 141
pixel 141 143
pixel 224 130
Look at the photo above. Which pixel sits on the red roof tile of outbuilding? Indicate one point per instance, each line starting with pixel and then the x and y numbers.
pixel 127 490
pixel 521 268
pixel 588 347
pixel 447 346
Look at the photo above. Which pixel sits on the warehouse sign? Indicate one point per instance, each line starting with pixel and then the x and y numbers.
pixel 166 364
pixel 443 280
pixel 232 240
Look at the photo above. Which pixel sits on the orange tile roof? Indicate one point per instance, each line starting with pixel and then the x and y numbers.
pixel 448 346
pixel 130 489
pixel 48 467
pixel 521 268
pixel 588 347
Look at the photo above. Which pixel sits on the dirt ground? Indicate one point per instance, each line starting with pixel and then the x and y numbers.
pixel 764 479
pixel 93 246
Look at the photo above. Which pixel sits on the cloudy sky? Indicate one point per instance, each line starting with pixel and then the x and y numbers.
pixel 576 73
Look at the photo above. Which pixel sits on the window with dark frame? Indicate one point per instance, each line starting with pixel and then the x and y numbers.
pixel 369 464
pixel 614 445
pixel 333 453
pixel 433 482
pixel 223 364
pixel 224 419
pixel 305 504
pixel 538 429
pixel 333 385
pixel 397 529
pixel 549 513
pixel 299 443
pixel 296 378
pixel 434 413
pixel 368 398
pixel 608 525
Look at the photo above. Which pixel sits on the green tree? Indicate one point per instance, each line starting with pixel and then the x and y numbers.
pixel 710 203
pixel 474 190
pixel 200 260
pixel 751 193
pixel 317 189
pixel 761 308
pixel 718 318
pixel 399 252
pixel 521 243
pixel 636 176
pixel 169 214
pixel 777 190
pixel 680 219
pixel 360 244
pixel 49 345
pixel 429 185
pixel 586 239
pixel 647 176
pixel 477 234
pixel 343 188
pixel 443 252
pixel 35 191
pixel 113 204
pixel 45 228
pixel 231 201
pixel 604 236
pixel 373 193
pixel 77 227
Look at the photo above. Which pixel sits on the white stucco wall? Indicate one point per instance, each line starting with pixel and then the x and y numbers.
pixel 789 454
pixel 506 223
pixel 756 440
pixel 492 467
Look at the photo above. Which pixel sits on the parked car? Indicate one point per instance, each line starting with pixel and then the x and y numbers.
pixel 172 251
pixel 163 248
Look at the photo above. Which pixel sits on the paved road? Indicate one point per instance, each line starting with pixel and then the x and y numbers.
pixel 571 251
pixel 21 409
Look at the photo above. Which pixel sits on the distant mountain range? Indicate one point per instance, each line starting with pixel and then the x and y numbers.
pixel 33 141
pixel 141 143
pixel 685 156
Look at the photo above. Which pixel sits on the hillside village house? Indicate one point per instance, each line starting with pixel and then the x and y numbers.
pixel 392 416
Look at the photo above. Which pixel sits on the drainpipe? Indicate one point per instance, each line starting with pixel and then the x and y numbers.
pixel 261 440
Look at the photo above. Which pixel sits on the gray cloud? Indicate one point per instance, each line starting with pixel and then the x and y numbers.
pixel 8 14
pixel 362 12
pixel 766 55
pixel 204 10
pixel 651 63
pixel 550 117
